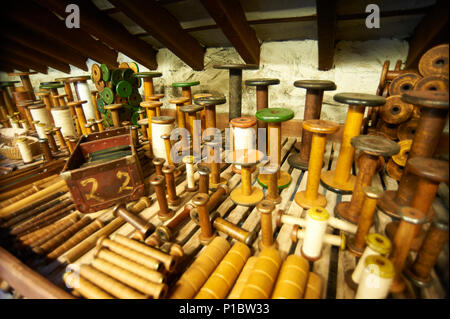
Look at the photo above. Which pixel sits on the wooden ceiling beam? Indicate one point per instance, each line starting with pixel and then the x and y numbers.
pixel 24 62
pixel 230 17
pixel 108 30
pixel 431 30
pixel 43 44
pixel 8 68
pixel 160 24
pixel 33 55
pixel 326 32
pixel 41 20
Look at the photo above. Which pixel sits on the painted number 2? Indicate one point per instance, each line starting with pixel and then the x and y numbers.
pixel 124 186
pixel 94 183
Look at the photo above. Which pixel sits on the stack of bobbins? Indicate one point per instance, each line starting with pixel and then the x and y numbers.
pixel 313 106
pixel 235 86
pixel 262 97
pixel 376 244
pixel 376 269
pixel 434 106
pixel 246 194
pixel 319 130
pixel 63 119
pixel 314 235
pixel 372 149
pixel 243 136
pixel 430 173
pixel 274 117
pixel 191 185
pixel 160 125
pixel 341 180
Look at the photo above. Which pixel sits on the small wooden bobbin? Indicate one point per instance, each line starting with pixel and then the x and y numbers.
pixel 395 111
pixel 242 136
pixel 272 188
pixel 341 180
pixel 158 162
pixel 48 157
pixel 51 140
pixel 313 107
pixel 203 182
pixel 191 185
pixel 372 148
pixel 319 129
pixel 166 232
pixel 26 82
pixel 265 209
pixel 144 227
pixel 432 83
pixel 81 119
pixel 148 82
pixel 164 213
pixel 213 160
pixel 435 61
pixel 180 118
pixel 168 171
pixel 150 108
pixel 194 128
pixel 207 234
pixel 403 83
pixel 209 103
pixel 434 106
pixel 62 142
pixel 114 108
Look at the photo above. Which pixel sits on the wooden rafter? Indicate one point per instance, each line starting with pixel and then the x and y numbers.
pixel 26 64
pixel 429 32
pixel 6 67
pixel 160 24
pixel 230 17
pixel 326 32
pixel 43 44
pixel 33 55
pixel 108 30
pixel 43 21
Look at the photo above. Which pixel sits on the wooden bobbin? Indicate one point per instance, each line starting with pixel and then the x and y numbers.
pixel 314 287
pixel 274 117
pixel 147 78
pixel 430 173
pixel 357 243
pixel 51 140
pixel 246 194
pixel 242 137
pixel 319 130
pixel 6 88
pixel 215 199
pixel 242 279
pixel 67 88
pixel 194 128
pixel 291 282
pixel 61 99
pixel 173 199
pixel 419 271
pixel 374 244
pixel 372 148
pixel 166 232
pixel 203 182
pixel 395 111
pixel 222 279
pixel 199 271
pixel 168 148
pixel 235 86
pixel 191 185
pixel 313 107
pixel 62 142
pixel 432 83
pixel 265 209
pixel 157 98
pixel 141 113
pixel 262 279
pixel 26 82
pixel 164 213
pixel 203 112
pixel 232 230
pixel 401 157
pixel 45 148
pixel 209 103
pixel 161 127
pixel 207 233
pixel 81 119
pixel 434 106
pixel 141 225
pixel 435 61
pixel 53 87
pixel 412 220
pixel 262 96
pixel 388 75
pixel 180 118
pixel 213 160
pixel 45 97
pixel 393 170
pixel 403 83
pixel 150 108
pixel 272 188
pixel 377 269
pixel 114 108
pixel 84 287
pixel 158 162
pixel 88 127
pixel 341 180
pixel 186 89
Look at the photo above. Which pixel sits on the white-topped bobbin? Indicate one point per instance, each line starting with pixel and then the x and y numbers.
pixel 189 161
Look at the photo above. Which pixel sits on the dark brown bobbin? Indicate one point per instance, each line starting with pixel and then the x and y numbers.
pixel 232 230
pixel 62 142
pixel 412 220
pixel 173 199
pixel 395 111
pixel 434 107
pixel 207 234
pixel 164 213
pixel 357 243
pixel 45 148
pixel 432 83
pixel 313 107
pixel 26 82
pixel 203 182
pixel 235 86
pixel 262 95
pixel 51 140
pixel 272 188
pixel 430 172
pixel 435 61
pixel 419 271
pixel 403 83
pixel 135 135
pixel 241 122
pixel 407 130
pixel 141 225
pixel 158 162
pixel 388 130
pixel 265 208
pixel 209 103
pixel 166 232
pixel 141 113
pixel 341 180
pixel 372 147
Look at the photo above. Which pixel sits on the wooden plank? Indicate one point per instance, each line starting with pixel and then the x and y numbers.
pixel 160 24
pixel 108 30
pixel 230 17
pixel 13 60
pixel 326 32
